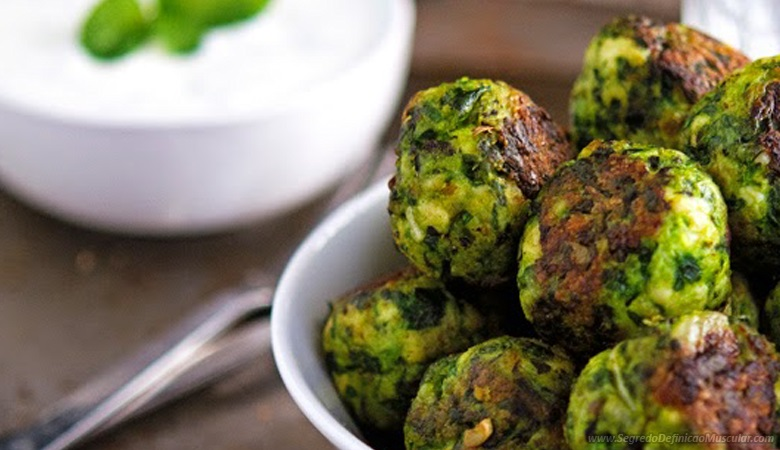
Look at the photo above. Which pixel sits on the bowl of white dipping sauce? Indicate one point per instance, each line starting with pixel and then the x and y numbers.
pixel 263 117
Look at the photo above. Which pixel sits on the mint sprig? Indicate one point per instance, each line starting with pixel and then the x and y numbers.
pixel 114 28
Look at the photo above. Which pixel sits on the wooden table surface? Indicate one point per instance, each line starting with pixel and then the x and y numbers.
pixel 72 301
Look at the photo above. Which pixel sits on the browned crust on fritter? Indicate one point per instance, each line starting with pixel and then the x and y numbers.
pixel 721 393
pixel 610 197
pixel 765 114
pixel 518 391
pixel 698 61
pixel 687 57
pixel 516 396
pixel 532 145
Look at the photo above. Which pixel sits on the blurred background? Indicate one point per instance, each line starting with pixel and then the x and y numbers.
pixel 72 301
pixel 535 45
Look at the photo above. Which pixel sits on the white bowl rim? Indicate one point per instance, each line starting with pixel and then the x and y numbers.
pixel 400 23
pixel 293 379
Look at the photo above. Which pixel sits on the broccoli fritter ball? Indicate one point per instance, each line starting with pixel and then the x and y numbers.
pixel 740 303
pixel 734 132
pixel 699 376
pixel 379 339
pixel 622 238
pixel 506 393
pixel 640 77
pixel 471 156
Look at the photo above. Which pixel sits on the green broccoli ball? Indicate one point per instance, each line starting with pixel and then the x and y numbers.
pixel 622 238
pixel 740 303
pixel 505 393
pixel 699 376
pixel 379 339
pixel 734 132
pixel 471 156
pixel 640 77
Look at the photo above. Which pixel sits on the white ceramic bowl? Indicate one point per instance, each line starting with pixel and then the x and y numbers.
pixel 209 172
pixel 351 247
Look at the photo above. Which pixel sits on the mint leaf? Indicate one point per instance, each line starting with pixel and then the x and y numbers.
pixel 178 35
pixel 114 28
pixel 213 13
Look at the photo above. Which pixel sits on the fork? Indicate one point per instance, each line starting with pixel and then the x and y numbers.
pixel 213 342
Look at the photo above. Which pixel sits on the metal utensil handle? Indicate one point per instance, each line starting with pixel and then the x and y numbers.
pixel 115 396
pixel 202 350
